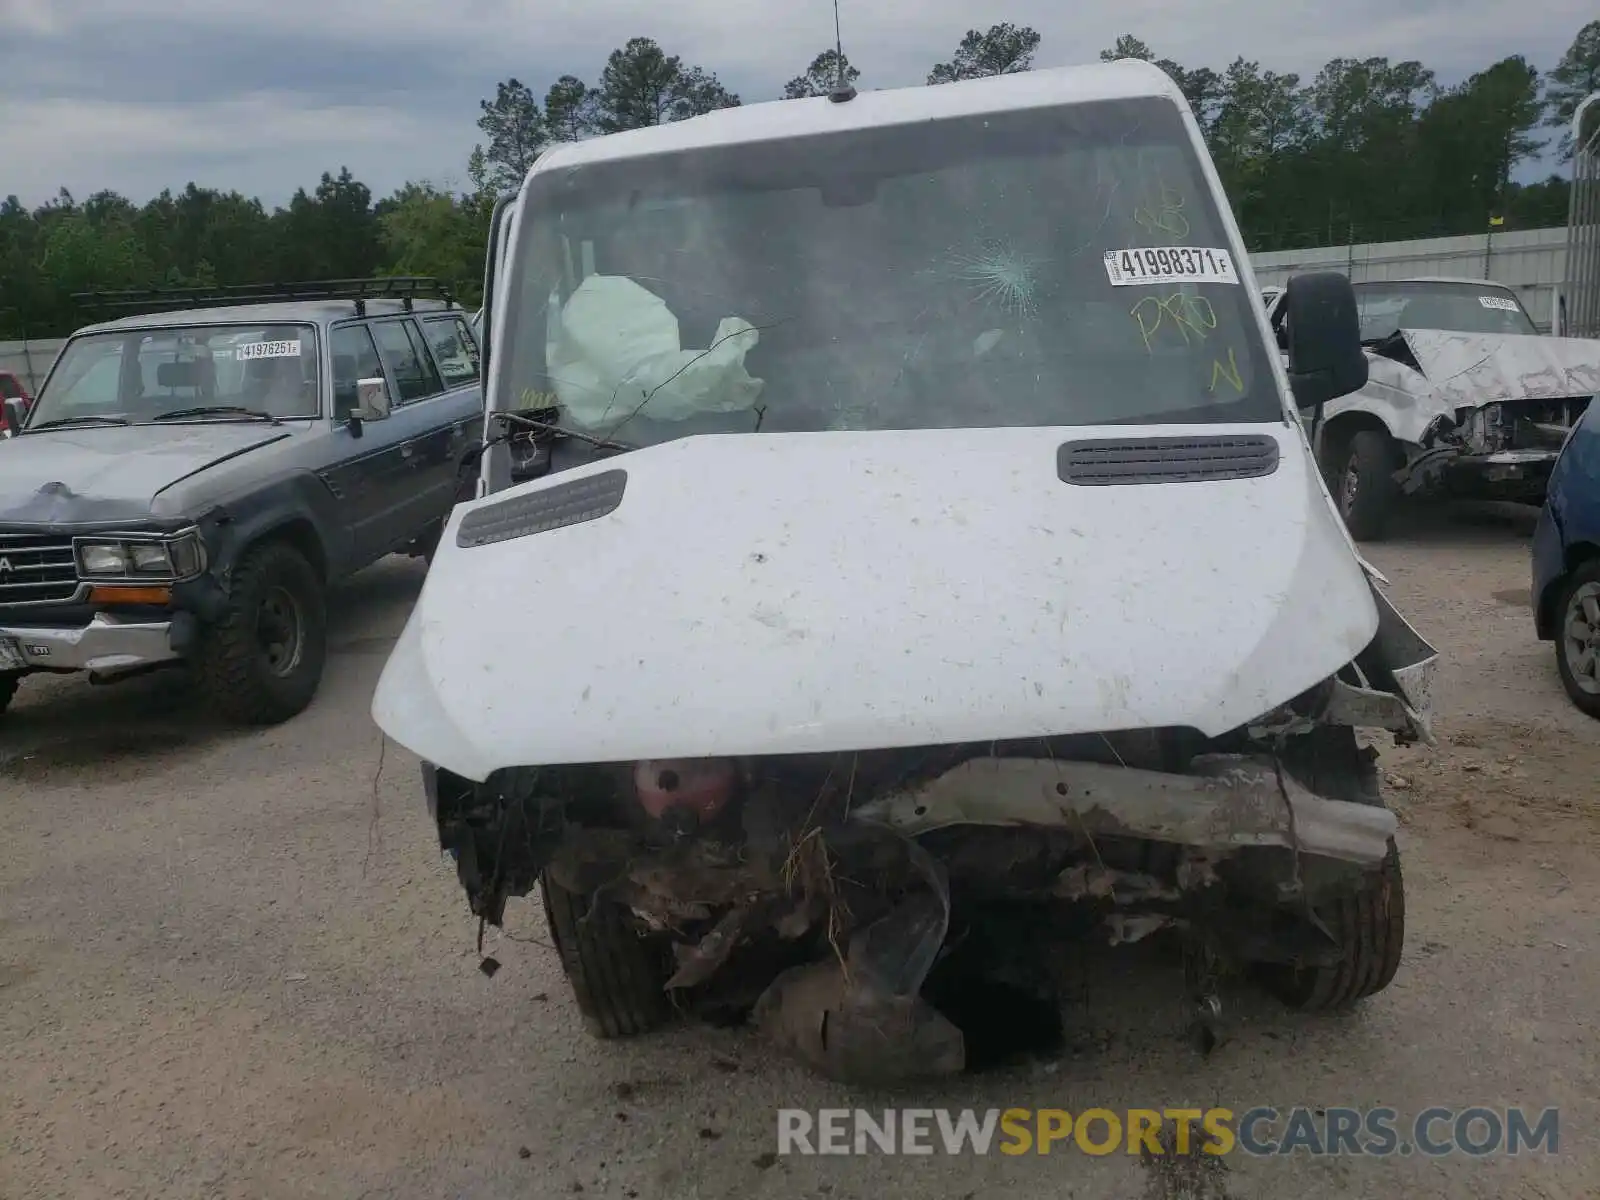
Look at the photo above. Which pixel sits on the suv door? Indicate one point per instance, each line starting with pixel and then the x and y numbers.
pixel 435 419
pixel 372 470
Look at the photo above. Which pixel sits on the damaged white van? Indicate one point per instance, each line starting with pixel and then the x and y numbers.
pixel 898 556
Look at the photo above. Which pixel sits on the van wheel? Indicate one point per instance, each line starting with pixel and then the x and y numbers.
pixel 1363 484
pixel 617 971
pixel 8 689
pixel 262 662
pixel 1578 637
pixel 1369 924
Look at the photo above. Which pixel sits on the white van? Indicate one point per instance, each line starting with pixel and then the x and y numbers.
pixel 898 538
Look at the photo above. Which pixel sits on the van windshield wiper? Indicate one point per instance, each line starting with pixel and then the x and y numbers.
pixel 218 410
pixel 60 422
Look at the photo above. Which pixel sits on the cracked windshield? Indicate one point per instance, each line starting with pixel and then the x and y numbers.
pixel 1053 267
pixel 1385 308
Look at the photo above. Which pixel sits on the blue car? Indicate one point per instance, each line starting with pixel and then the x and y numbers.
pixel 1566 564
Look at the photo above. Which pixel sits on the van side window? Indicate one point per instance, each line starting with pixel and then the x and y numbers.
pixel 403 350
pixel 354 358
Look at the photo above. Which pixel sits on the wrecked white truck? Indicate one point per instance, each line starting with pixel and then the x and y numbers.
pixel 1464 398
pixel 897 558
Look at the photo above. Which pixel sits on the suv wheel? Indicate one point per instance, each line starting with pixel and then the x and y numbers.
pixel 1369 924
pixel 1578 638
pixel 262 662
pixel 617 971
pixel 1362 482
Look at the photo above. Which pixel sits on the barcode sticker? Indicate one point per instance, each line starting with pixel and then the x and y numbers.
pixel 1504 303
pixel 1169 264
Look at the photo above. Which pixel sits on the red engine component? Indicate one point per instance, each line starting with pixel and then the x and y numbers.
pixel 682 787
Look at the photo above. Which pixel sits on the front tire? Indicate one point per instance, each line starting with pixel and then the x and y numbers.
pixel 1578 638
pixel 263 661
pixel 1369 924
pixel 1363 484
pixel 617 972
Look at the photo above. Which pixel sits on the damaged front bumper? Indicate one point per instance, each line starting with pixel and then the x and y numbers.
pixel 826 896
pixel 1503 450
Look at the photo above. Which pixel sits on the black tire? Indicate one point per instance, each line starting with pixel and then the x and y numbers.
pixel 262 662
pixel 1577 631
pixel 1363 486
pixel 1370 925
pixel 617 971
pixel 8 689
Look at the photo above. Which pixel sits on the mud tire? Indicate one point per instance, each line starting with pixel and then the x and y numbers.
pixel 617 972
pixel 1370 924
pixel 1362 482
pixel 235 670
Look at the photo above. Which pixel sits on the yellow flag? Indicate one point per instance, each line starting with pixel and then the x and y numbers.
pixel 1497 220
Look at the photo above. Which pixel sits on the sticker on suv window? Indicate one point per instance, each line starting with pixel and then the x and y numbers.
pixel 269 350
pixel 1169 264
pixel 1504 303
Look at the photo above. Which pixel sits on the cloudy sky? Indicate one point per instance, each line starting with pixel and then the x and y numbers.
pixel 264 95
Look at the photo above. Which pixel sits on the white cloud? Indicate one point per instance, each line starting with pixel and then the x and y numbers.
pixel 67 123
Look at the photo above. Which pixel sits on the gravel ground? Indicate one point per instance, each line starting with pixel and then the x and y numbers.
pixel 234 965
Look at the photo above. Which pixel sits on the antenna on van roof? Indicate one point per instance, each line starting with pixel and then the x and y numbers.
pixel 842 91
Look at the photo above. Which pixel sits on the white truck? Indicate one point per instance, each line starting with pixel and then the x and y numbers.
pixel 1464 397
pixel 897 556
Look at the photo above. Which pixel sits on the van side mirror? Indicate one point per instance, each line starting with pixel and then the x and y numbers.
pixel 1326 360
pixel 16 410
pixel 372 399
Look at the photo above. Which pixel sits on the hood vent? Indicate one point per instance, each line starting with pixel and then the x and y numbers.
pixel 1105 461
pixel 569 503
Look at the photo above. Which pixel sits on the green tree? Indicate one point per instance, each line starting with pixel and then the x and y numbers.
pixel 1002 49
pixel 642 85
pixel 516 131
pixel 1128 46
pixel 822 76
pixel 427 231
pixel 571 109
pixel 1570 80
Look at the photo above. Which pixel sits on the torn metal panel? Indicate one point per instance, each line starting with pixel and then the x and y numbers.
pixel 1232 801
pixel 1469 369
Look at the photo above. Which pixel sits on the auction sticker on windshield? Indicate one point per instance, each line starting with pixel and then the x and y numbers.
pixel 1503 303
pixel 1169 264
pixel 269 350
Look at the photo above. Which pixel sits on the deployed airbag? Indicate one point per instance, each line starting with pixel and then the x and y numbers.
pixel 617 344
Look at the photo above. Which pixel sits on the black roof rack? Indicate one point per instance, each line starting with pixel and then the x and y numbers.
pixel 405 288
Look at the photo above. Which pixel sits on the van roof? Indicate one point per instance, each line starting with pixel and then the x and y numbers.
pixel 774 120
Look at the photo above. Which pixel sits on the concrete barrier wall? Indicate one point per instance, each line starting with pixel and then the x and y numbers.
pixel 30 361
pixel 1532 262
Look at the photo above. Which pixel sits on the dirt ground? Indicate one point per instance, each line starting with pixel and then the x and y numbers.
pixel 235 965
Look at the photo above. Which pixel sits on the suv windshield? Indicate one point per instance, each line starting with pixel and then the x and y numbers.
pixel 1055 266
pixel 139 375
pixel 1457 307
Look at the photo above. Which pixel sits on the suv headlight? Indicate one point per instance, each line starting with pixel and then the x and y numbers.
pixel 155 560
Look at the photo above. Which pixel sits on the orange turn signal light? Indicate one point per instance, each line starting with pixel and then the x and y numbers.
pixel 109 594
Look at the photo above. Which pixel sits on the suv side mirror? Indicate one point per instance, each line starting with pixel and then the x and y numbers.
pixel 372 399
pixel 1326 360
pixel 16 410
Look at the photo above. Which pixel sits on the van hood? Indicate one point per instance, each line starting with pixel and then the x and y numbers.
pixel 113 472
pixel 1466 370
pixel 798 593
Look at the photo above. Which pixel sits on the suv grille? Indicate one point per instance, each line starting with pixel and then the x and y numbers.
pixel 36 569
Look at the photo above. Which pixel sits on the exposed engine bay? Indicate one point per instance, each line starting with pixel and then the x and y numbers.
pixel 839 900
